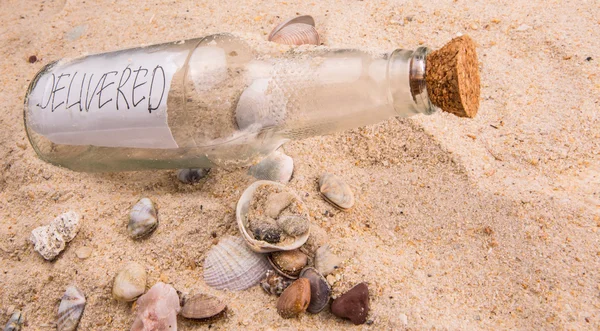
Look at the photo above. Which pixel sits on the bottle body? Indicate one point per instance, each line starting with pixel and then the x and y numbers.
pixel 220 100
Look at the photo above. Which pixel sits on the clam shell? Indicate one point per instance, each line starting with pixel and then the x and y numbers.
pixel 288 263
pixel 296 31
pixel 336 191
pixel 202 306
pixel 295 299
pixel 320 291
pixel 190 176
pixel 325 261
pixel 15 322
pixel 304 19
pixel 143 219
pixel 232 265
pixel 260 246
pixel 274 283
pixel 70 309
pixel 260 106
pixel 276 167
pixel 130 282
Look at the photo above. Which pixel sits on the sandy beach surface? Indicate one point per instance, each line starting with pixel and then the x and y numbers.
pixel 488 223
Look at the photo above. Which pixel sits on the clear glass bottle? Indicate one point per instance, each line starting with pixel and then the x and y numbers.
pixel 221 100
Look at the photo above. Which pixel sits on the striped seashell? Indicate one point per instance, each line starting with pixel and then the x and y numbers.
pixel 296 31
pixel 232 265
pixel 143 219
pixel 336 191
pixel 70 309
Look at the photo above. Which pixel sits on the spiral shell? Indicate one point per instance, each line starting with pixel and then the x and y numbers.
pixel 70 309
pixel 232 265
pixel 296 31
pixel 143 219
pixel 241 212
pixel 275 283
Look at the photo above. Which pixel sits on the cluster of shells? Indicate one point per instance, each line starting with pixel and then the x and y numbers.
pixel 271 250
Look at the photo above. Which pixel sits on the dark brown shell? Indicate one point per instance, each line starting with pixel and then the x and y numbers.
pixel 295 299
pixel 320 291
pixel 288 263
pixel 202 306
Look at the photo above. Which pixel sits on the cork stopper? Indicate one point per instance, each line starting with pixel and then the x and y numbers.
pixel 452 77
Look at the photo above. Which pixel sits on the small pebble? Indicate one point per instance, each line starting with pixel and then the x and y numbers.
pixel 353 305
pixel 276 203
pixel 191 176
pixel 83 252
pixel 32 59
pixel 130 282
pixel 325 261
pixel 293 225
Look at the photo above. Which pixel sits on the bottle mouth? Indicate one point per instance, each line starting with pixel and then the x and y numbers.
pixel 418 83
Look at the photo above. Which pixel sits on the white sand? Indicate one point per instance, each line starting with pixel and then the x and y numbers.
pixel 488 223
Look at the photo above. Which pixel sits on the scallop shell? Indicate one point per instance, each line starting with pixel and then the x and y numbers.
pixel 232 265
pixel 190 176
pixel 336 191
pixel 288 263
pixel 325 261
pixel 70 309
pixel 260 246
pixel 143 219
pixel 276 167
pixel 320 291
pixel 296 31
pixel 15 322
pixel 202 306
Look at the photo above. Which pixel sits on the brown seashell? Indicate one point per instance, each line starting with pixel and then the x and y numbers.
pixel 275 283
pixel 336 191
pixel 202 306
pixel 288 263
pixel 353 305
pixel 320 291
pixel 295 299
pixel 296 31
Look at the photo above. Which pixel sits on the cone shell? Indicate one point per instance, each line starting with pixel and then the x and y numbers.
pixel 320 291
pixel 202 306
pixel 70 309
pixel 260 246
pixel 296 31
pixel 232 265
pixel 336 191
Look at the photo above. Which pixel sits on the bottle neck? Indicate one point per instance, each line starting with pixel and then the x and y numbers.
pixel 408 88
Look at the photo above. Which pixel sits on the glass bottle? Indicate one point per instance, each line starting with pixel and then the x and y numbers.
pixel 221 100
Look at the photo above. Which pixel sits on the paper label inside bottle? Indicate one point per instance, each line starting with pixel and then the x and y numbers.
pixel 109 100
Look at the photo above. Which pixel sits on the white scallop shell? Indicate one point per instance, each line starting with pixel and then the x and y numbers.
pixel 232 265
pixel 70 309
pixel 277 167
pixel 296 34
pixel 241 212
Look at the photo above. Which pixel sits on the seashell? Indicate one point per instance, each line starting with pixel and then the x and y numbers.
pixel 325 261
pixel 293 225
pixel 83 252
pixel 336 191
pixel 274 283
pixel 288 263
pixel 190 176
pixel 51 239
pixel 157 309
pixel 258 245
pixel 232 265
pixel 320 291
pixel 295 299
pixel 258 106
pixel 130 282
pixel 296 31
pixel 276 167
pixel 143 219
pixel 15 322
pixel 353 305
pixel 277 202
pixel 70 309
pixel 268 231
pixel 202 306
